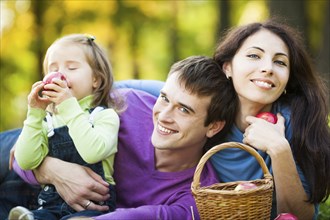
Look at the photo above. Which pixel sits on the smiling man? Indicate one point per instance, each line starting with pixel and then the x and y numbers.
pixel 161 140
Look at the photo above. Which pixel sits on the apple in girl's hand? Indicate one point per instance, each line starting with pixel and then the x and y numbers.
pixel 245 186
pixel 49 79
pixel 286 216
pixel 268 117
pixel 50 76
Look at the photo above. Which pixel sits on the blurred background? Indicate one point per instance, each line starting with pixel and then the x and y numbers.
pixel 143 37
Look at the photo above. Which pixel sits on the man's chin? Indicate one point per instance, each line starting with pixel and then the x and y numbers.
pixel 158 144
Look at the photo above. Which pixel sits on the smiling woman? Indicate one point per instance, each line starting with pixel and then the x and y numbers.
pixel 259 70
pixel 272 72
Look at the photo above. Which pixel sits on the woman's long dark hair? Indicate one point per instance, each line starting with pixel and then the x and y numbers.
pixel 307 95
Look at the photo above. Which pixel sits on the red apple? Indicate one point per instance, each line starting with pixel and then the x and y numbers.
pixel 245 186
pixel 268 117
pixel 286 216
pixel 50 76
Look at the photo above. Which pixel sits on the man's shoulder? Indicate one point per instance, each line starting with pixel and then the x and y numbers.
pixel 138 107
pixel 136 122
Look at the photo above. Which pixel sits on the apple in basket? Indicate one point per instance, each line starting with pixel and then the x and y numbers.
pixel 268 117
pixel 286 216
pixel 50 76
pixel 245 186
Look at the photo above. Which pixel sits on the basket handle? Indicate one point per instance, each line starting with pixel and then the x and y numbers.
pixel 213 150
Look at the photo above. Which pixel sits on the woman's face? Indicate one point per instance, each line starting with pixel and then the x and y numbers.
pixel 260 68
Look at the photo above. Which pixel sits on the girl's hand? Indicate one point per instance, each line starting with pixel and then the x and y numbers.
pixel 57 91
pixel 266 136
pixel 34 100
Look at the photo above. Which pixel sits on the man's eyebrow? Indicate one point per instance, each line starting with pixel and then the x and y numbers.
pixel 180 103
pixel 277 54
pixel 187 107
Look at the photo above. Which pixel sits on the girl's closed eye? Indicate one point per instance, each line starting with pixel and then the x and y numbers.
pixel 72 67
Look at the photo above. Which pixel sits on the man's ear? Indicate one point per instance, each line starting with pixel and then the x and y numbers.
pixel 214 128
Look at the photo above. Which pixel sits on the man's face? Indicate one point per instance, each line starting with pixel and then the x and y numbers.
pixel 179 117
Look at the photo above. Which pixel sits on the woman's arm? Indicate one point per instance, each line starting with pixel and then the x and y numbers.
pixel 290 194
pixel 152 87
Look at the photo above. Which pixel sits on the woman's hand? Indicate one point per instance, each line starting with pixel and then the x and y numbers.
pixel 76 184
pixel 266 136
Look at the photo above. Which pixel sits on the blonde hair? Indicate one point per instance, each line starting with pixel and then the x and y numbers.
pixel 99 63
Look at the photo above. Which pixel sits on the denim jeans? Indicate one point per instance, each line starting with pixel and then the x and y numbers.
pixel 13 190
pixel 61 146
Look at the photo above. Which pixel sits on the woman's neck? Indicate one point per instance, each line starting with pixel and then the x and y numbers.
pixel 248 109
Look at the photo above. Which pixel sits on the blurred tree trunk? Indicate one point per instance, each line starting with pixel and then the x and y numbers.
pixel 293 13
pixel 130 18
pixel 38 8
pixel 324 52
pixel 134 47
pixel 173 34
pixel 224 18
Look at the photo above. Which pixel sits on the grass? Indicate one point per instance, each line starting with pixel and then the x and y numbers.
pixel 324 212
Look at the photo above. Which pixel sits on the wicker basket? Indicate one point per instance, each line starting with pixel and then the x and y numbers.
pixel 221 201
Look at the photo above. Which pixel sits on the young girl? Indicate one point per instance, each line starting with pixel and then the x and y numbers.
pixel 82 126
pixel 271 72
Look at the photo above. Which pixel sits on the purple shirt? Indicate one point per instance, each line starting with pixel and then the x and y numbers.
pixel 142 191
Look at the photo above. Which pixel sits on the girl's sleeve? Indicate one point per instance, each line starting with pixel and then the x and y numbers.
pixel 32 144
pixel 94 141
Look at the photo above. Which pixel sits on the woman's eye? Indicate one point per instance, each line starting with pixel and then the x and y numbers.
pixel 72 68
pixel 281 63
pixel 253 56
